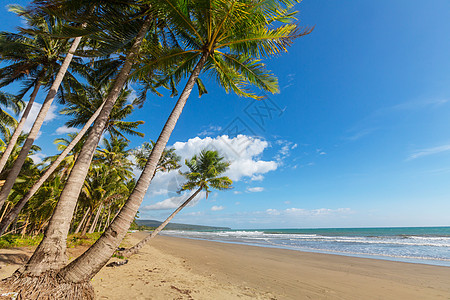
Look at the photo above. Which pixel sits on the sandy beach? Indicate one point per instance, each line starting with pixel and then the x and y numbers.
pixel 176 268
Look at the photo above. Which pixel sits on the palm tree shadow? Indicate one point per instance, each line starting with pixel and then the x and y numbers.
pixel 13 258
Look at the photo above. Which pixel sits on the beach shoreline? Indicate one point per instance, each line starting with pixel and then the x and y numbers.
pixel 178 268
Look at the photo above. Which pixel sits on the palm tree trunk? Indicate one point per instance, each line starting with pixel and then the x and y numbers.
pixel 107 219
pixel 90 262
pixel 11 179
pixel 102 219
pixel 50 254
pixel 18 207
pixel 24 230
pixel 86 225
pixel 97 215
pixel 72 223
pixel 4 211
pixel 135 249
pixel 19 127
pixel 82 220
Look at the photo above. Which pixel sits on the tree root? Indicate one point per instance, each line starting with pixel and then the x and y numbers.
pixel 47 286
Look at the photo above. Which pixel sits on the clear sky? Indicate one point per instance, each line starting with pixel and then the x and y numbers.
pixel 359 135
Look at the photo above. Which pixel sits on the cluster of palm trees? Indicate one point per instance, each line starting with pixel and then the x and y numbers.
pixel 85 53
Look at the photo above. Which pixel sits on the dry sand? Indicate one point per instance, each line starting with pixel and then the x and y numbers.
pixel 175 268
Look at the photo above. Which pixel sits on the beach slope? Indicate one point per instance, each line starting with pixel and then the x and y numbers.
pixel 175 268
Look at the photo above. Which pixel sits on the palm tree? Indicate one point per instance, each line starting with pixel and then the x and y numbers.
pixel 51 53
pixel 102 185
pixel 227 38
pixel 169 159
pixel 49 255
pixel 82 104
pixel 115 126
pixel 203 174
pixel 6 120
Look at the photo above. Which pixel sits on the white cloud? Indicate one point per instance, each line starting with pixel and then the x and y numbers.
pixel 237 192
pixel 174 202
pixel 166 184
pixel 51 114
pixel 217 208
pixel 133 95
pixel 255 189
pixel 310 213
pixel 243 153
pixel 64 130
pixel 38 157
pixel 258 177
pixel 429 151
pixel 285 150
pixel 211 130
pixel 272 211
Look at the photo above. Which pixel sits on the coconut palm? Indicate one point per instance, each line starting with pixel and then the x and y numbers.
pixel 115 126
pixel 203 174
pixel 6 120
pixel 101 186
pixel 50 254
pixel 227 38
pixel 49 51
pixel 81 105
pixel 169 159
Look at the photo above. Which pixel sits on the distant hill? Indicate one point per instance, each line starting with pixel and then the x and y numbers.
pixel 178 226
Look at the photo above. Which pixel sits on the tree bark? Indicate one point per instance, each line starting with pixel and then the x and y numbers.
pixel 12 176
pixel 24 229
pixel 97 215
pixel 19 127
pixel 135 249
pixel 4 211
pixel 82 221
pixel 18 207
pixel 90 262
pixel 107 219
pixel 86 225
pixel 50 254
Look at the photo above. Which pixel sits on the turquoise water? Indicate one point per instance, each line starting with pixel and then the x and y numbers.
pixel 429 245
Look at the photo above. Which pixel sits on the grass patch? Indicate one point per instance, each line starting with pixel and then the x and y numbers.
pixel 73 240
pixel 16 240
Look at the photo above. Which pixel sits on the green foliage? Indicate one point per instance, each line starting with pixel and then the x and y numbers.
pixel 16 240
pixel 204 172
pixel 88 239
pixel 73 240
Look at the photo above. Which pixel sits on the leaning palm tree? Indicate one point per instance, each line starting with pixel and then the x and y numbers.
pixel 50 254
pixel 52 52
pixel 222 37
pixel 225 38
pixel 73 12
pixel 82 111
pixel 203 174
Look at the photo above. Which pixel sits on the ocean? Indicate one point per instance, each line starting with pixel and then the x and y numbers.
pixel 427 245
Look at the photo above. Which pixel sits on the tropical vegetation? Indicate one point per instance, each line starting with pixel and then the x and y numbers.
pixel 204 174
pixel 96 50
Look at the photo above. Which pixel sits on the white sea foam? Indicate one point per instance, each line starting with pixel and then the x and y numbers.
pixel 436 248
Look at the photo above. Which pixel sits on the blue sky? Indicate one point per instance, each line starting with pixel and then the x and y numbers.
pixel 359 135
